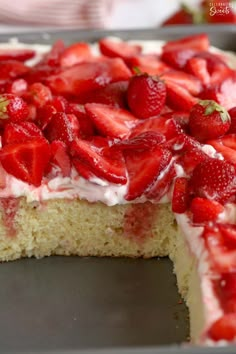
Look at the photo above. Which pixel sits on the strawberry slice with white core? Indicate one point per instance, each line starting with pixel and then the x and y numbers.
pixel 104 162
pixel 88 76
pixel 143 168
pixel 26 161
pixel 111 121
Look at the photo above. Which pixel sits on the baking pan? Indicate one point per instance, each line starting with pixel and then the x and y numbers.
pixel 69 305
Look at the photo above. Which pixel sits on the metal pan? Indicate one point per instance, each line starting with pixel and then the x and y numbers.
pixel 68 305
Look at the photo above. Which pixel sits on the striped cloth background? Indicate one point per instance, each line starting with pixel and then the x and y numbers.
pixel 56 13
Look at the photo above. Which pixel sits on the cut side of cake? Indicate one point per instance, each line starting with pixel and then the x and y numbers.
pixel 125 149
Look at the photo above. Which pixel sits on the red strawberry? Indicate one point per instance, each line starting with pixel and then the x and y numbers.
pixel 146 96
pixel 148 63
pixel 60 158
pixel 164 181
pixel 83 169
pixel 103 162
pixel 20 132
pixel 113 94
pixel 144 141
pixel 39 73
pixel 198 67
pixel 189 82
pixel 111 121
pixel 198 42
pixel 12 109
pixel 12 69
pixel 168 127
pixel 181 17
pixel 181 118
pixel 177 58
pixel 52 58
pixel 205 210
pixel 113 48
pixel 60 103
pixel 17 87
pixel 180 199
pixel 208 120
pixel 63 127
pixel 75 53
pixel 86 126
pixel 226 145
pixel 143 168
pixel 44 115
pixel 179 98
pixel 38 94
pixel 191 158
pixel 214 179
pixel 232 113
pixel 85 77
pixel 16 54
pixel 26 161
pixel 223 93
pixel 224 328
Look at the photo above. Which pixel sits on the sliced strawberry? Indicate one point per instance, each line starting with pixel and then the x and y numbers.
pixel 205 210
pixel 179 98
pixel 189 82
pixel 180 199
pixel 26 161
pixel 52 58
pixel 226 146
pixel 198 67
pixel 60 158
pixel 232 113
pixel 85 77
pixel 214 179
pixel 60 103
pixel 86 126
pixel 20 132
pixel 148 63
pixel 113 94
pixel 181 118
pixel 113 49
pixel 223 93
pixel 146 96
pixel 111 121
pixel 40 72
pixel 182 143
pixel 168 127
pixel 162 185
pixel 198 42
pixel 75 53
pixel 143 168
pixel 224 328
pixel 63 127
pixel 38 94
pixel 178 58
pixel 44 115
pixel 16 54
pixel 191 158
pixel 16 87
pixel 103 162
pixel 144 141
pixel 83 169
pixel 12 69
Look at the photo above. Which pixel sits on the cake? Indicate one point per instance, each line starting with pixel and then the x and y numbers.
pixel 125 149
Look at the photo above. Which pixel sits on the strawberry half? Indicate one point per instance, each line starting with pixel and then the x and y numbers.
pixel 100 159
pixel 111 121
pixel 214 179
pixel 208 120
pixel 26 161
pixel 146 95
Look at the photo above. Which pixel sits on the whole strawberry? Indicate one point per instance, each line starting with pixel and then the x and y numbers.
pixel 12 109
pixel 146 95
pixel 208 120
pixel 214 179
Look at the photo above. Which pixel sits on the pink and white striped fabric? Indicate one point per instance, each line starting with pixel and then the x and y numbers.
pixel 56 13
